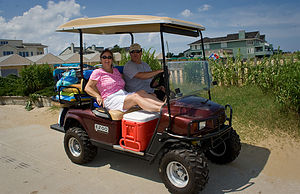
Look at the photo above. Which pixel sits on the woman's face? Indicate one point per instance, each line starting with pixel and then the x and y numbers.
pixel 106 60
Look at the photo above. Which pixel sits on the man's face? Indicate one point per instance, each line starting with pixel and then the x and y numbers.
pixel 136 56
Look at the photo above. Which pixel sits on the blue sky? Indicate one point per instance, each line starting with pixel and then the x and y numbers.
pixel 36 20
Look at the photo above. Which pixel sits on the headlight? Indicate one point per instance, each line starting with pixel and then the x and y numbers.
pixel 202 125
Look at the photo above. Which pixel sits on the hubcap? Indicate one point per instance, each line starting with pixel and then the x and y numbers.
pixel 220 150
pixel 177 174
pixel 74 147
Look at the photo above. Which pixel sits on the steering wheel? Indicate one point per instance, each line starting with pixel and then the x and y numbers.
pixel 158 80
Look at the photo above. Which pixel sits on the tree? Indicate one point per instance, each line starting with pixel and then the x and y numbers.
pixel 116 48
pixel 180 55
pixel 170 55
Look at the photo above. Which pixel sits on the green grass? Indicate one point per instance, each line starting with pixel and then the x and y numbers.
pixel 256 114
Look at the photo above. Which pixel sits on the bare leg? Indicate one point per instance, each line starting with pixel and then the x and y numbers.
pixel 150 97
pixel 146 101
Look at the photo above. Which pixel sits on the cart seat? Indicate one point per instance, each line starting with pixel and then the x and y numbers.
pixel 114 115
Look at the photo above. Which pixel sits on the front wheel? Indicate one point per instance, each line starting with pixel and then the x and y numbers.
pixel 78 146
pixel 227 151
pixel 184 171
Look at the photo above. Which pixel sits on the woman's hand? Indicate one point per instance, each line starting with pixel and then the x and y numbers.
pixel 92 90
pixel 100 101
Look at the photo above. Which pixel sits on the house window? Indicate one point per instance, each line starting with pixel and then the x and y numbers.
pixel 24 54
pixel 31 53
pixel 6 72
pixel 196 47
pixel 250 50
pixel 223 44
pixel 3 42
pixel 249 42
pixel 259 49
pixel 7 53
pixel 206 46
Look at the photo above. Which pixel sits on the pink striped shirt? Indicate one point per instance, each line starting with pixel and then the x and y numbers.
pixel 108 83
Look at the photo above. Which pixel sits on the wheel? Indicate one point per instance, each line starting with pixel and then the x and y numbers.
pixel 227 151
pixel 183 171
pixel 78 146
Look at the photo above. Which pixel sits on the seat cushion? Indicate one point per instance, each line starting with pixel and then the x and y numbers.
pixel 118 115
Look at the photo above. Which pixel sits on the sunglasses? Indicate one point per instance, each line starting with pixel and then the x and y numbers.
pixel 136 51
pixel 106 57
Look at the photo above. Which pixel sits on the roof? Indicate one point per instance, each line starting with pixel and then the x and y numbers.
pixel 88 50
pixel 94 57
pixel 14 60
pixel 72 58
pixel 116 24
pixel 34 44
pixel 231 37
pixel 46 58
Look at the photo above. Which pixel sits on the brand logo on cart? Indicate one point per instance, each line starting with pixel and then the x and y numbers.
pixel 101 128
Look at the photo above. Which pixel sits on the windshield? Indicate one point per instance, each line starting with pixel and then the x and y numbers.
pixel 191 77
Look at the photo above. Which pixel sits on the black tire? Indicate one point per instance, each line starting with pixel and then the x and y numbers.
pixel 184 171
pixel 227 151
pixel 78 146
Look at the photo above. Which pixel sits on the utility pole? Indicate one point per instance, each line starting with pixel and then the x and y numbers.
pixel 167 48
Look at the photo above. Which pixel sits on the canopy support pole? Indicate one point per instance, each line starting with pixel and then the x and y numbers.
pixel 206 67
pixel 166 77
pixel 81 53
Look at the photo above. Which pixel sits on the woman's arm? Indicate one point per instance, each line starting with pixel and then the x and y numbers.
pixel 91 89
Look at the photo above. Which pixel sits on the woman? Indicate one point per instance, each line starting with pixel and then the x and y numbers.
pixel 107 86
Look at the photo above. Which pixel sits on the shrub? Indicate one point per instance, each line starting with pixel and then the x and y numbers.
pixel 150 59
pixel 11 86
pixel 36 77
pixel 147 57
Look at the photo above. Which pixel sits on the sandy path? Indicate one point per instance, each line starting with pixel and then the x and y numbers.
pixel 284 157
pixel 273 164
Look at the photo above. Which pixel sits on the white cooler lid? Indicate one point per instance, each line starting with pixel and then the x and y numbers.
pixel 140 116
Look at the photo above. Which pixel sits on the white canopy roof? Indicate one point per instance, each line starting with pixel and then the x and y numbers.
pixel 116 24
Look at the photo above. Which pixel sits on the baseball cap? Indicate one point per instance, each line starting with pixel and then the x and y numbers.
pixel 135 46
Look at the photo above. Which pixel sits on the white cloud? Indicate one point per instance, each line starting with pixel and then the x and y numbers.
pixel 123 39
pixel 152 36
pixel 205 7
pixel 186 13
pixel 38 24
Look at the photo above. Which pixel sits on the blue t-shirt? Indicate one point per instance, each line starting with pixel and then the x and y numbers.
pixel 134 84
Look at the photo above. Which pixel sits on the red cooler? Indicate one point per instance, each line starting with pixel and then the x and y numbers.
pixel 137 129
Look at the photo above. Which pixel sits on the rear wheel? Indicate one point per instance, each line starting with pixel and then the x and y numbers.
pixel 227 151
pixel 78 146
pixel 184 171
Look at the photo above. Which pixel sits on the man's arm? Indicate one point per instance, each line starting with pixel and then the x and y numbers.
pixel 147 75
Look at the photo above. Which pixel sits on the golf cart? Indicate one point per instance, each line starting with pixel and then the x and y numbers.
pixel 188 130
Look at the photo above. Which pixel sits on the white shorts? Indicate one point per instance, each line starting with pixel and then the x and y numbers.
pixel 116 100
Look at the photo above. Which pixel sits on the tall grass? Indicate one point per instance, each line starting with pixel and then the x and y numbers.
pixel 257 114
pixel 278 75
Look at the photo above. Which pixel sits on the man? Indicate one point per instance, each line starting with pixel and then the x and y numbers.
pixel 138 74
